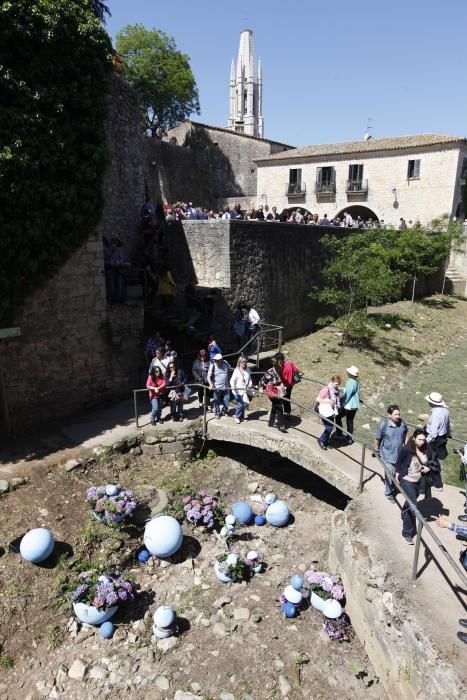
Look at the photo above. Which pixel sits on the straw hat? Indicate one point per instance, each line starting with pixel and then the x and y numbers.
pixel 435 399
pixel 353 371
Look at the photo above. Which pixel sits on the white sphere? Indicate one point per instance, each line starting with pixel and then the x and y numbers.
pixel 278 513
pixel 163 536
pixel 332 608
pixel 37 545
pixel 232 560
pixel 270 498
pixel 292 595
pixel 164 616
pixel 111 490
pixel 230 519
pixel 252 556
pixel 160 633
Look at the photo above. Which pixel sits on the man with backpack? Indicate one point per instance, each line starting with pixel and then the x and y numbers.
pixel 390 437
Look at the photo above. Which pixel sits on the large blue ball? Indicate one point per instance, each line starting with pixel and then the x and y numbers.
pixel 243 512
pixel 297 582
pixel 107 630
pixel 289 609
pixel 163 536
pixel 260 520
pixel 37 545
pixel 278 513
pixel 143 555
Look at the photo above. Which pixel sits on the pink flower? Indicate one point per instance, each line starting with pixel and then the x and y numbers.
pixel 186 499
pixel 207 501
pixel 337 592
pixel 201 494
pixel 195 502
pixel 98 602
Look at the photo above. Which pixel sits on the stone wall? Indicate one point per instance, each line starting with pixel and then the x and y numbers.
pixel 74 350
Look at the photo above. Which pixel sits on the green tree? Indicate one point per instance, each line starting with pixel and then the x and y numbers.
pixel 55 60
pixel 160 74
pixel 99 8
pixel 421 252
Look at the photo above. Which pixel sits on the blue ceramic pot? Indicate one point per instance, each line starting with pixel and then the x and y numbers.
pixel 91 615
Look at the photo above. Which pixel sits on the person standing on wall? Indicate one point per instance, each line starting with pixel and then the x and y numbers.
pixel 290 375
pixel 253 326
pixel 350 404
pixel 390 437
pixel 271 383
pixel 240 383
pixel 328 401
pixel 438 432
pixel 218 380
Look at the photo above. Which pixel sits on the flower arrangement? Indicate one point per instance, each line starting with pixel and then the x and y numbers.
pixel 340 629
pixel 102 591
pixel 231 565
pixel 324 585
pixel 110 509
pixel 203 509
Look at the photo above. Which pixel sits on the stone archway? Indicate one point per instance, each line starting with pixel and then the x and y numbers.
pixel 356 210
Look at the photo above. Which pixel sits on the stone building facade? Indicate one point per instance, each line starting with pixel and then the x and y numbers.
pixel 74 349
pixel 416 177
pixel 223 161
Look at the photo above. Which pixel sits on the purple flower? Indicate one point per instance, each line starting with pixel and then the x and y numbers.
pixel 207 500
pixel 195 502
pixel 187 508
pixel 337 592
pixel 81 590
pixel 282 599
pixel 111 598
pixel 91 493
pixel 327 583
pixel 201 494
pixel 314 577
pixel 186 499
pixel 100 505
pixel 85 574
pixel 122 594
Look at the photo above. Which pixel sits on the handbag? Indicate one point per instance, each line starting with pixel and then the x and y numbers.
pixel 272 391
pixel 296 376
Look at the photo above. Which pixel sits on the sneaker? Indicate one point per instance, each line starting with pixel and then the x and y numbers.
pixel 282 428
pixel 218 415
pixel 437 488
pixel 322 445
pixel 210 409
pixel 391 499
pixel 153 422
pixel 237 420
pixel 408 540
pixel 462 636
pixel 180 418
pixel 463 623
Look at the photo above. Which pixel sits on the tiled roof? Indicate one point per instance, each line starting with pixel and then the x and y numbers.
pixel 237 133
pixel 390 143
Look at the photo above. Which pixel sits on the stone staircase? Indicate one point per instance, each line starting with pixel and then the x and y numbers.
pixel 457 280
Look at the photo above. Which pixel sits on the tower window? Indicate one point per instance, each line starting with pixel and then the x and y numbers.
pixel 245 102
pixel 413 169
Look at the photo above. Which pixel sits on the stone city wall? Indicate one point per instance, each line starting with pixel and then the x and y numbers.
pixel 74 350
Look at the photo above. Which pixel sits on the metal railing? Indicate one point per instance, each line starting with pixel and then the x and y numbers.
pixel 421 521
pixel 356 186
pixel 326 187
pixel 295 189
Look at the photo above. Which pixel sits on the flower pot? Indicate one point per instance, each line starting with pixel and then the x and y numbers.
pixel 102 519
pixel 222 577
pixel 332 609
pixel 316 601
pixel 92 615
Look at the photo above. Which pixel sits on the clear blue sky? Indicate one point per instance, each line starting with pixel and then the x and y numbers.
pixel 327 67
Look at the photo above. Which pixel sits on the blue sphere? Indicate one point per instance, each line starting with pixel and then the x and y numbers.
pixel 243 512
pixel 260 520
pixel 107 630
pixel 297 582
pixel 163 536
pixel 37 545
pixel 278 513
pixel 289 609
pixel 143 555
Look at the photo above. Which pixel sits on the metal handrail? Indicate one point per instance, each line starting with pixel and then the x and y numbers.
pixel 419 517
pixel 462 441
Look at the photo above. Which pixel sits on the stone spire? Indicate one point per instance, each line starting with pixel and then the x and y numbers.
pixel 246 90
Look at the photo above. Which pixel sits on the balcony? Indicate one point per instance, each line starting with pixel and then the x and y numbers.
pixel 295 189
pixel 356 189
pixel 325 189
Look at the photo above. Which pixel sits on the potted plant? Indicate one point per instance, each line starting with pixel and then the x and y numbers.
pixel 201 509
pixel 98 595
pixel 323 587
pixel 110 504
pixel 230 568
pixel 339 629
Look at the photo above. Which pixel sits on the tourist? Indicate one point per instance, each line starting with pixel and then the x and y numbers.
pixel 299 218
pixel 290 375
pixel 169 352
pixel 390 437
pixel 328 400
pixel 259 214
pixel 402 224
pixel 166 289
pixel 175 378
pixel 273 215
pixel 252 329
pixel 240 382
pixel 271 383
pixel 324 221
pixel 159 360
pixel 154 342
pixel 414 461
pixel 438 432
pixel 200 375
pixel 213 348
pixel 350 403
pixel 226 214
pixel 460 531
pixel 347 219
pixel 156 384
pixel 218 380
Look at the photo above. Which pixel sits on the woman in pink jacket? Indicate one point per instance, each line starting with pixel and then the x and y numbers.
pixel 156 384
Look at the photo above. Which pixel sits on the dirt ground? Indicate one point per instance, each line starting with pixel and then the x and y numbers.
pixel 233 643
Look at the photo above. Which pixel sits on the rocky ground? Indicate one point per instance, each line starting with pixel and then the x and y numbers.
pixel 233 643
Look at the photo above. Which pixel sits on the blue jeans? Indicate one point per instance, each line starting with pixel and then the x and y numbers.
pixel 409 521
pixel 389 488
pixel 241 405
pixel 176 408
pixel 326 434
pixel 221 401
pixel 156 409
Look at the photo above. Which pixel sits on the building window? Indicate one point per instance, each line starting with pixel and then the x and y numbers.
pixel 355 182
pixel 413 169
pixel 325 180
pixel 295 181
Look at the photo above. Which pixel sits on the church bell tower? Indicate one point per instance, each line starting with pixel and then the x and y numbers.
pixel 246 90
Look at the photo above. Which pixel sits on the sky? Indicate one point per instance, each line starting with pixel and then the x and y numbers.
pixel 327 67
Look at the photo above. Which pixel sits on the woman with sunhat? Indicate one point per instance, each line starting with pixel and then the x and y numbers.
pixel 438 432
pixel 350 403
